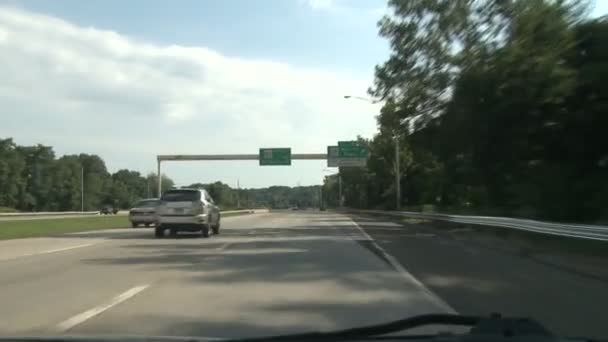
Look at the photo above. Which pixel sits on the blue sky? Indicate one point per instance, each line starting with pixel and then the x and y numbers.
pixel 132 79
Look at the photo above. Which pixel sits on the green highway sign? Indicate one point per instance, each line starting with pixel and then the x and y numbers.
pixel 351 149
pixel 275 156
pixel 332 156
pixel 352 153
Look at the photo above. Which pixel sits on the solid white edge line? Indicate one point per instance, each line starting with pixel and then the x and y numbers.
pixel 81 317
pixel 405 274
pixel 49 251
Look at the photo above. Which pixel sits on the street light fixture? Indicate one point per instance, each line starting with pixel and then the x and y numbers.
pixel 397 169
pixel 361 98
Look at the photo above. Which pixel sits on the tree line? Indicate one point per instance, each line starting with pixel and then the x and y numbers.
pixel 275 197
pixel 499 106
pixel 32 178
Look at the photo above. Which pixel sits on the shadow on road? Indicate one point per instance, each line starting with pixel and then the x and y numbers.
pixel 276 286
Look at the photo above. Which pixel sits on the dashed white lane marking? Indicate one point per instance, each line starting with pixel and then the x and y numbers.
pixel 405 274
pixel 81 317
pixel 49 251
pixel 223 247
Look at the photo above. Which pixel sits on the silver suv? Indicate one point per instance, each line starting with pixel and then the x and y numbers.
pixel 190 210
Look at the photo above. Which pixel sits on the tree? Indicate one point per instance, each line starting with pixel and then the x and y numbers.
pixel 498 106
pixel 127 187
pixel 152 183
pixel 97 182
pixel 65 184
pixel 12 166
pixel 39 161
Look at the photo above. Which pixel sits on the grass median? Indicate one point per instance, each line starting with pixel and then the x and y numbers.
pixel 17 229
pixel 44 227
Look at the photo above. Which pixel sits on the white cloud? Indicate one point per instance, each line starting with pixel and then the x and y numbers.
pixel 83 89
pixel 375 8
pixel 321 4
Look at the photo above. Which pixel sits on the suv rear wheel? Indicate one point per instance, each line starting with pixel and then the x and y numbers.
pixel 159 231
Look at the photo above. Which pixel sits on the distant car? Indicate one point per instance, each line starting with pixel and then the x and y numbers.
pixel 144 212
pixel 108 209
pixel 190 210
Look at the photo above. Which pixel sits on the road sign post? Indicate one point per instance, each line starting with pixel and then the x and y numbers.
pixel 275 156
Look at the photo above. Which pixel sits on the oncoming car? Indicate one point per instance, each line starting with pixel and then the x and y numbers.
pixel 144 212
pixel 190 210
pixel 108 209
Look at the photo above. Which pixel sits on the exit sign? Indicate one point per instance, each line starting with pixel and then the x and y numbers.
pixel 275 156
pixel 352 153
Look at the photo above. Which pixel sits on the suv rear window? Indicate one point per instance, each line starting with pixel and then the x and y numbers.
pixel 146 203
pixel 181 196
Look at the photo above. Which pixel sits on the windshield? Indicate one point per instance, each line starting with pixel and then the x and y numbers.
pixel 181 196
pixel 250 168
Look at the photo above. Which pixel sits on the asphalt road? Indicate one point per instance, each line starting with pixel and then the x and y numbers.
pixel 482 274
pixel 279 273
pixel 265 274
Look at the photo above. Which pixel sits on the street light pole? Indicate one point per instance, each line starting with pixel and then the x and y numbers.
pixel 82 188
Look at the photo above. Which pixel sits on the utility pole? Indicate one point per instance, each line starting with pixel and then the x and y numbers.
pixel 238 194
pixel 397 174
pixel 320 198
pixel 82 188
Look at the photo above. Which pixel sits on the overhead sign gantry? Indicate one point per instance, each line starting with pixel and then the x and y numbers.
pixel 347 154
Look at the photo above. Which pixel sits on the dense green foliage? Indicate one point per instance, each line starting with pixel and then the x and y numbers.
pixel 275 197
pixel 32 179
pixel 499 106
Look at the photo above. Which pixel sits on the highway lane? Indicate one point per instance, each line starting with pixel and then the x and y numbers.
pixel 265 274
pixel 480 275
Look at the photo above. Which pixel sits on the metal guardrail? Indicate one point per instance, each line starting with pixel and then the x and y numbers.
pixel 561 229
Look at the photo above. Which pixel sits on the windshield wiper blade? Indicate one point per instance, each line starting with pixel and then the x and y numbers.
pixel 373 330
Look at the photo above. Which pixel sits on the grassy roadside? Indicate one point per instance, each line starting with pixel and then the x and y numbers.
pixel 538 242
pixel 530 242
pixel 17 229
